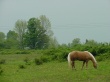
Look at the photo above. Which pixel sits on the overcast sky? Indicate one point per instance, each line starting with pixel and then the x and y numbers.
pixel 70 19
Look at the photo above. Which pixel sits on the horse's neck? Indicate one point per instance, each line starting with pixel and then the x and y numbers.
pixel 93 61
pixel 92 58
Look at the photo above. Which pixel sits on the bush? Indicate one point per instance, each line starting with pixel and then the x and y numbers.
pixel 1 70
pixel 26 60
pixel 2 61
pixel 59 54
pixel 62 56
pixel 22 52
pixel 45 58
pixel 103 57
pixel 100 59
pixel 22 67
pixel 38 61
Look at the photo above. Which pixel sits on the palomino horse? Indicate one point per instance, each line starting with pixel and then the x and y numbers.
pixel 84 56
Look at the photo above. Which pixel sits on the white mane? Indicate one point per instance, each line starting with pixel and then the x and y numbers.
pixel 91 56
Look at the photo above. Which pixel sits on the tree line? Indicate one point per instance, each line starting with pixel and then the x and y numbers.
pixel 35 33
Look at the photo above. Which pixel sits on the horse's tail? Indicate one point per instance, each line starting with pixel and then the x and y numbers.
pixel 69 60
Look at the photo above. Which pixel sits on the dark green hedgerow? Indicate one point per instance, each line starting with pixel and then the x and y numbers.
pixel 55 54
pixel 60 54
pixel 103 57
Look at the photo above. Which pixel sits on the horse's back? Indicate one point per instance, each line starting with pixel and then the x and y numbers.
pixel 79 55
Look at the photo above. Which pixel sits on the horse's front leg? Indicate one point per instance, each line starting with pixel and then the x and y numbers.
pixel 83 64
pixel 86 64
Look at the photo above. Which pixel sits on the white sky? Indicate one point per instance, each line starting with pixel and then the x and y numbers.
pixel 84 19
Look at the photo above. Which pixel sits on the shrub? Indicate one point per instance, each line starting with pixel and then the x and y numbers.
pixel 22 67
pixel 2 61
pixel 22 52
pixel 103 57
pixel 38 61
pixel 62 56
pixel 26 60
pixel 59 54
pixel 1 70
pixel 45 58
pixel 99 59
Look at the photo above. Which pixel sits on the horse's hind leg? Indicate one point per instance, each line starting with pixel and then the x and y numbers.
pixel 73 65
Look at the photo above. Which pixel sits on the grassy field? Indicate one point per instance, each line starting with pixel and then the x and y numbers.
pixel 50 72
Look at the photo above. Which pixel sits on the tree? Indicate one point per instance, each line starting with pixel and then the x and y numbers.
pixel 2 37
pixel 20 28
pixel 47 26
pixel 75 42
pixel 36 36
pixel 91 42
pixel 12 35
pixel 53 43
pixel 2 40
pixel 11 40
pixel 45 23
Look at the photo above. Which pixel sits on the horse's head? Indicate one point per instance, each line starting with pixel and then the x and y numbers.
pixel 93 60
pixel 95 65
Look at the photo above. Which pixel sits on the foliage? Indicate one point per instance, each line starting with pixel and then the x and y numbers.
pixel 2 61
pixel 103 57
pixel 75 42
pixel 53 43
pixel 45 23
pixel 59 54
pixel 38 61
pixel 35 36
pixel 26 60
pixel 45 58
pixel 22 67
pixel 12 35
pixel 22 52
pixel 1 71
pixel 14 51
pixel 2 39
pixel 2 36
pixel 20 28
pixel 11 41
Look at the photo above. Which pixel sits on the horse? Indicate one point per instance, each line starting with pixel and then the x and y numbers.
pixel 84 56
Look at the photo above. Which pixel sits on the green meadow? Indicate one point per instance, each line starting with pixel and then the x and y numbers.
pixel 13 68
